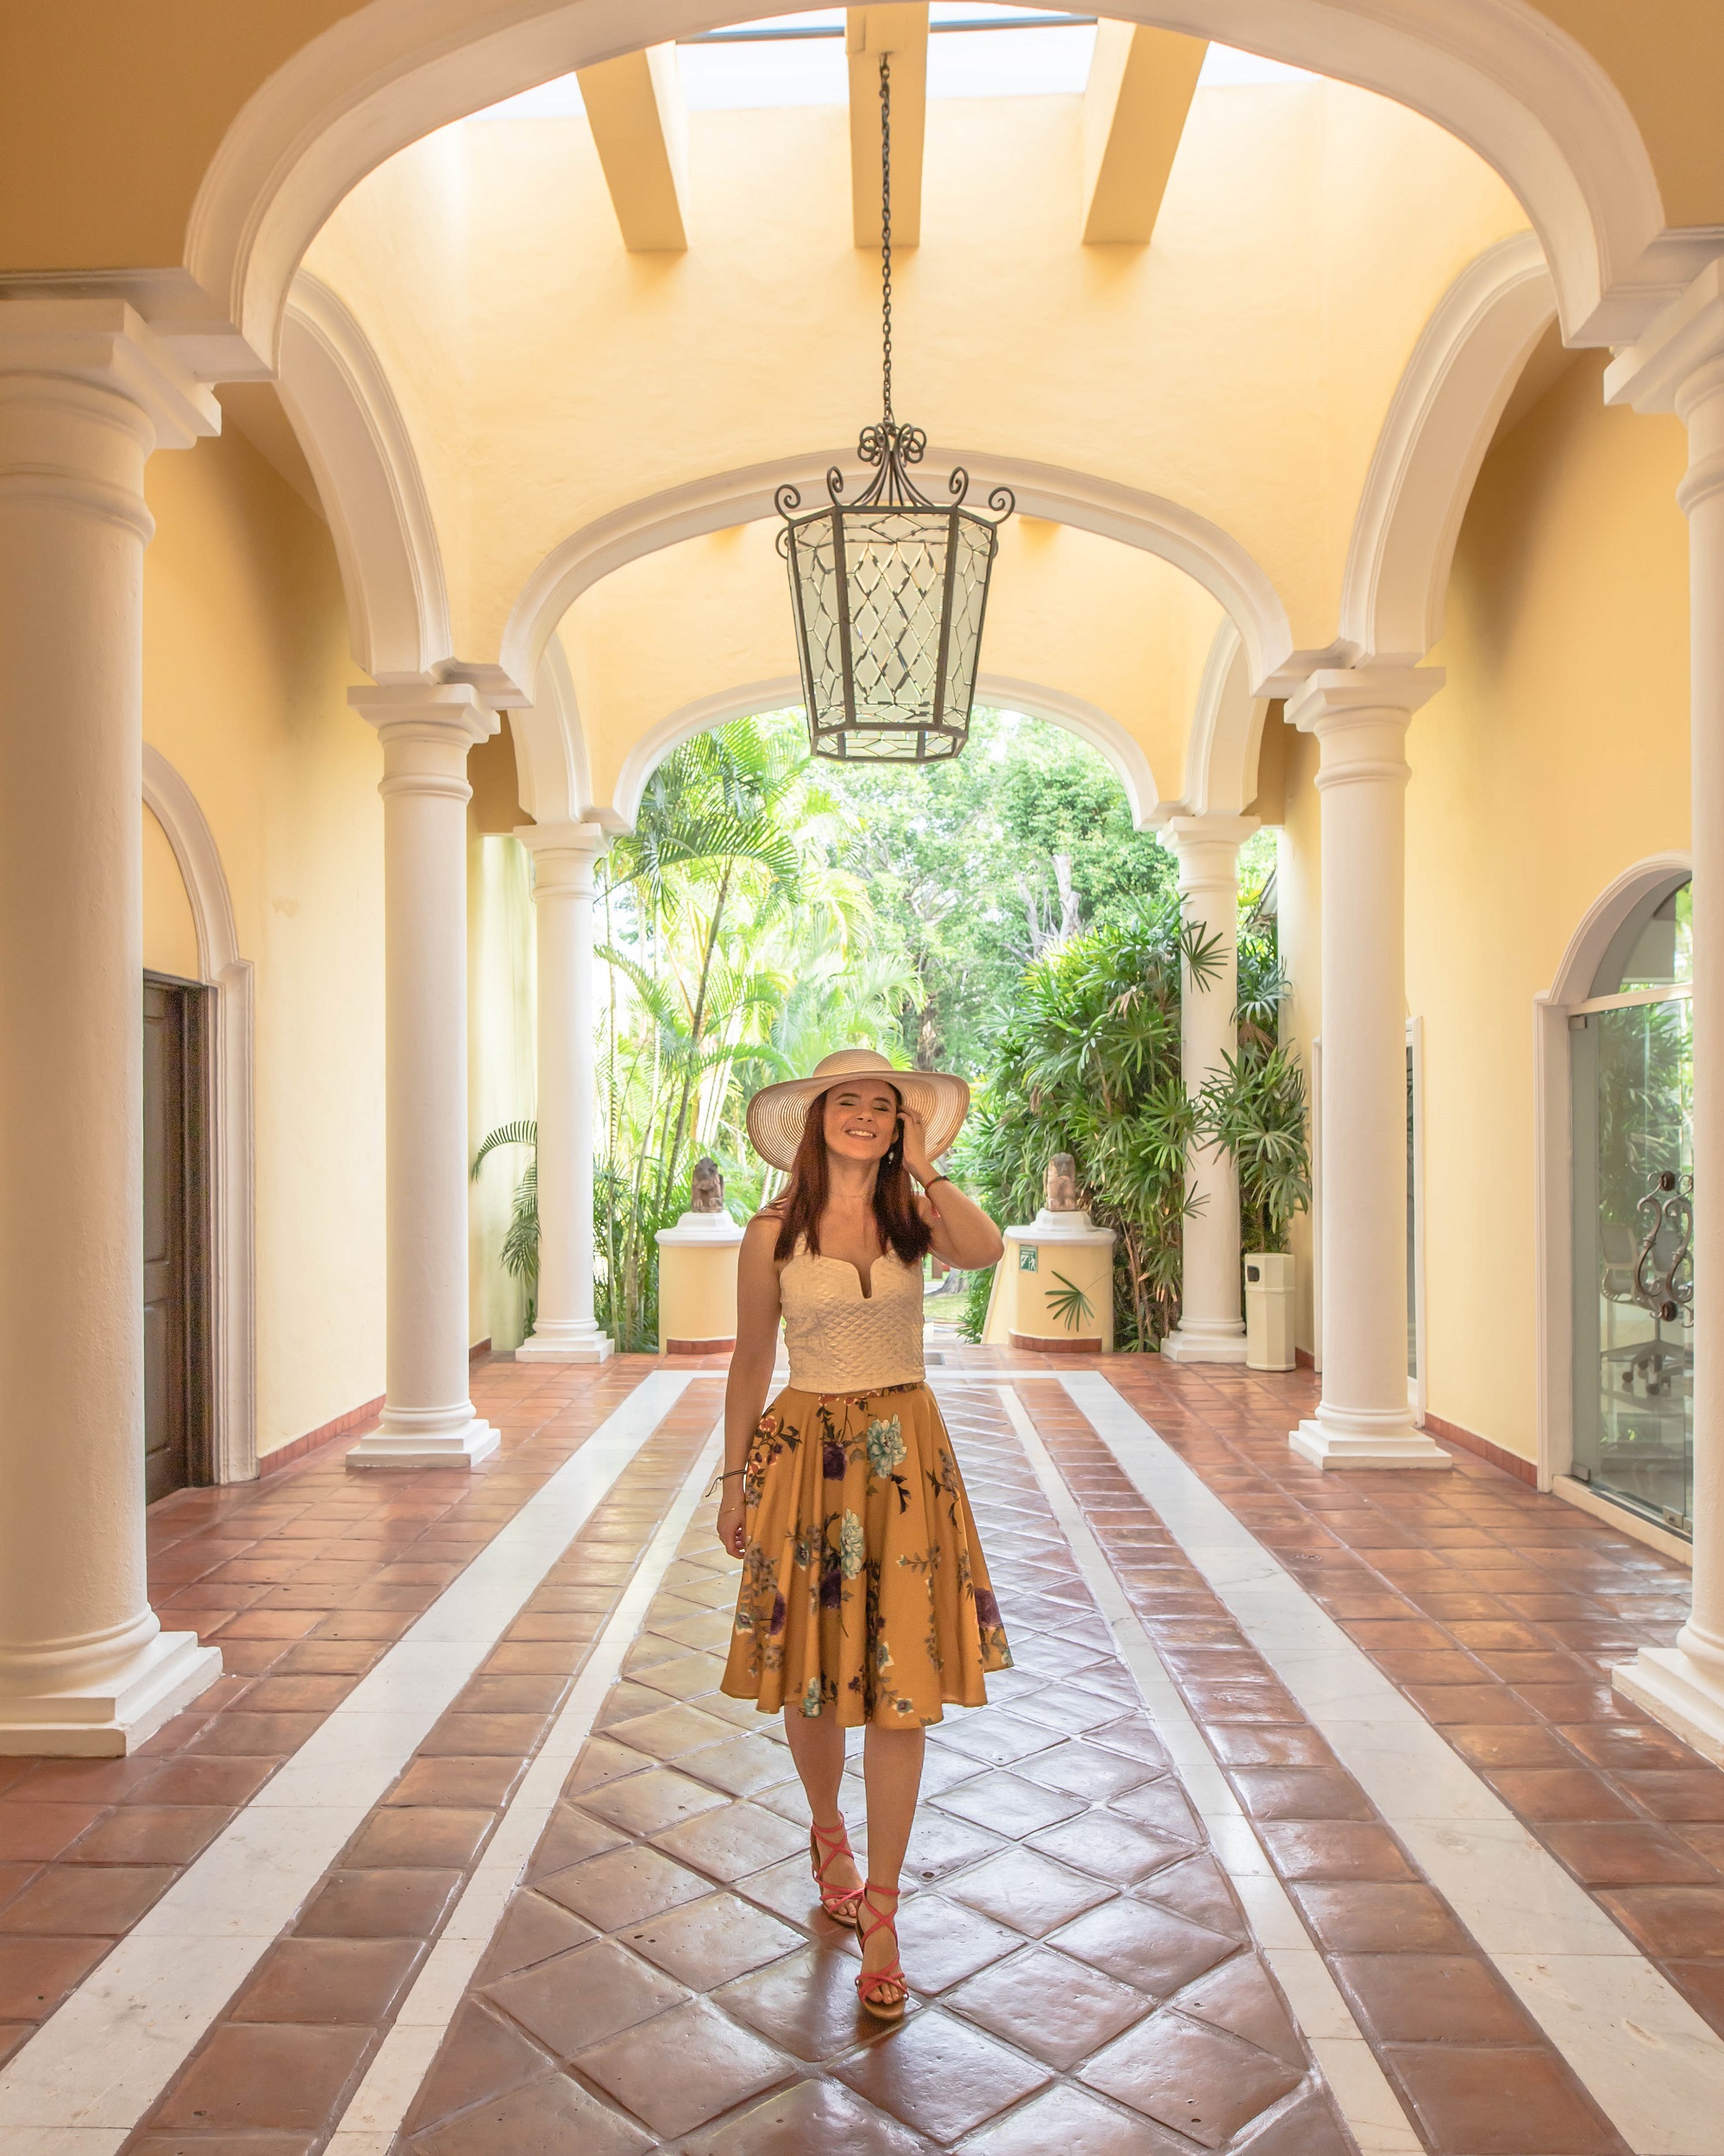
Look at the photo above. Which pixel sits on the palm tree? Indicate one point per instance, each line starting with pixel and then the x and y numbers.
pixel 520 1252
pixel 732 939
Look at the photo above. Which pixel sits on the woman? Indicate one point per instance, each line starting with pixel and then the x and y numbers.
pixel 864 1598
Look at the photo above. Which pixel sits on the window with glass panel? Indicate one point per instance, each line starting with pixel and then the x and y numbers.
pixel 1632 1073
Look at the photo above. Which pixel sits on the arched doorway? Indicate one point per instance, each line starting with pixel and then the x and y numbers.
pixel 1631 1073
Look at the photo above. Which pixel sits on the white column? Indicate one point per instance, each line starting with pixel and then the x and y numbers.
pixel 565 1330
pixel 86 394
pixel 1212 1327
pixel 1679 366
pixel 426 731
pixel 1360 721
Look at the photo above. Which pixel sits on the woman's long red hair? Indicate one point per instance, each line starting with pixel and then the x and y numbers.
pixel 902 1229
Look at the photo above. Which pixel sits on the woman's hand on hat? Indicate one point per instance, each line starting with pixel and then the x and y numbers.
pixel 916 1144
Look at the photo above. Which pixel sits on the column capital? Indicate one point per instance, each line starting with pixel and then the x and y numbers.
pixel 430 708
pixel 1337 697
pixel 426 729
pixel 1231 830
pixel 564 855
pixel 1665 368
pixel 103 345
pixel 1208 848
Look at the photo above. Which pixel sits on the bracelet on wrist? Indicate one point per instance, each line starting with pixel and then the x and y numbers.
pixel 932 1179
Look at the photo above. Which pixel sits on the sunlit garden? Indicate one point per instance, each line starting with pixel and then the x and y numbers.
pixel 997 916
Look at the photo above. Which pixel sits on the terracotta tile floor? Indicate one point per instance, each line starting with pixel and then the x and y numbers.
pixel 1084 1978
pixel 304 1582
pixel 1499 1614
pixel 1082 1972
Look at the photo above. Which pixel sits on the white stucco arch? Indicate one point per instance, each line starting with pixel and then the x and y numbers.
pixel 1434 437
pixel 338 398
pixel 1509 83
pixel 1090 723
pixel 1189 542
pixel 1226 734
pixel 233 1283
pixel 551 765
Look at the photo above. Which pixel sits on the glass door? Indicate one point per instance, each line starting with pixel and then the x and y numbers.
pixel 1632 1067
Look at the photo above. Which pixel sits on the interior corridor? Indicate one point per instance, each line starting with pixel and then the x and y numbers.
pixel 1307 1820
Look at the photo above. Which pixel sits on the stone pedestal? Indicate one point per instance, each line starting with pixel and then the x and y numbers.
pixel 1056 1250
pixel 698 1284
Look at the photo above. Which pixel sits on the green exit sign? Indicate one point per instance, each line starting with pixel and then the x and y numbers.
pixel 1027 1254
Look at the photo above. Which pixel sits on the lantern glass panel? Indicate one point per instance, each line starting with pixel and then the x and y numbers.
pixel 900 593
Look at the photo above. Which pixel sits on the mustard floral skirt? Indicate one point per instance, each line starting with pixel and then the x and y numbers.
pixel 864 1593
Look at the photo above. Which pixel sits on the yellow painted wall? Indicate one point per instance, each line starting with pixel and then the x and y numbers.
pixel 246 673
pixel 1555 757
pixel 1666 58
pixel 1121 630
pixel 170 930
pixel 112 110
pixel 527 344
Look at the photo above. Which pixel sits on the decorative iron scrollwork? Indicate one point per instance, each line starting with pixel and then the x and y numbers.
pixel 1667 1210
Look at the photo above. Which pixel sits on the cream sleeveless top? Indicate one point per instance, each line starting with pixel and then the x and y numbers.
pixel 842 1341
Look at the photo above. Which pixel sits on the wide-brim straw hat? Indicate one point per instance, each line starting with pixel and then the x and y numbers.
pixel 777 1113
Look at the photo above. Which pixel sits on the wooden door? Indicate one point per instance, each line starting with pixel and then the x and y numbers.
pixel 176 1331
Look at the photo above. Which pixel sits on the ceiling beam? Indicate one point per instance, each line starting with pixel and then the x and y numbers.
pixel 634 106
pixel 1139 91
pixel 902 30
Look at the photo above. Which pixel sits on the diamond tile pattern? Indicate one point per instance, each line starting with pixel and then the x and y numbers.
pixel 1043 1922
pixel 1083 1977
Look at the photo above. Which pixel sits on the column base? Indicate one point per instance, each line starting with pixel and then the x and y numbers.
pixel 107 1721
pixel 1206 1344
pixel 566 1342
pixel 1682 1694
pixel 1395 1444
pixel 391 1445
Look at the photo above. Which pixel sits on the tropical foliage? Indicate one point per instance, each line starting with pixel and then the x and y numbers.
pixel 999 915
pixel 520 1252
pixel 1090 1066
pixel 740 950
pixel 978 866
pixel 1256 1107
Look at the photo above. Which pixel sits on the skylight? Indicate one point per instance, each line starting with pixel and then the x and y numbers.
pixel 977 48
pixel 1224 68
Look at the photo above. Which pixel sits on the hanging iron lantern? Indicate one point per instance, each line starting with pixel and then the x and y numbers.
pixel 889 591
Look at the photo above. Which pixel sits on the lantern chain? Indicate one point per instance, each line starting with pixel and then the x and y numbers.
pixel 886 229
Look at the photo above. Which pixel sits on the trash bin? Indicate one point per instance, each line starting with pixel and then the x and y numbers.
pixel 1269 1310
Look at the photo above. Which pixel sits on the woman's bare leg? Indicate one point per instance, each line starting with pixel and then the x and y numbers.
pixel 817 1744
pixel 892 1769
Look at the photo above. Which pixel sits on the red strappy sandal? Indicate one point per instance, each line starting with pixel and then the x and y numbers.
pixel 883 1992
pixel 842 1909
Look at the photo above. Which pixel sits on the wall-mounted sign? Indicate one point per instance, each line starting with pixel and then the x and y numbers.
pixel 1027 1258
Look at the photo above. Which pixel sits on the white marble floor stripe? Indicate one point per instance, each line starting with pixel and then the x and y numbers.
pixel 1373 2111
pixel 1646 2057
pixel 369 2125
pixel 87 2077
